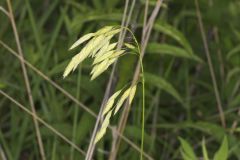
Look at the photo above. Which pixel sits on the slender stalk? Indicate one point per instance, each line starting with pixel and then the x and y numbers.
pixel 143 92
pixel 26 80
pixel 76 112
pixel 214 81
pixel 4 11
pixel 143 108
pixel 2 154
pixel 24 108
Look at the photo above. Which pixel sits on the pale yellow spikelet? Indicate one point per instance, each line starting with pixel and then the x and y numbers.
pixel 103 57
pixel 113 32
pixel 84 53
pixel 105 41
pixel 94 69
pixel 100 134
pixel 117 54
pixel 122 99
pixel 81 40
pixel 130 46
pixel 111 61
pixel 132 94
pixel 100 68
pixel 68 69
pixel 104 30
pixel 112 46
pixel 110 102
pixel 96 42
pixel 101 48
pixel 106 120
pixel 74 62
pixel 105 49
pixel 103 128
pixel 101 44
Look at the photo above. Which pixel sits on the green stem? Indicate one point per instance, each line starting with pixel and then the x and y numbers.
pixel 143 108
pixel 143 91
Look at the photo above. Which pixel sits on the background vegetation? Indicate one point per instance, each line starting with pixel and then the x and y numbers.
pixel 182 98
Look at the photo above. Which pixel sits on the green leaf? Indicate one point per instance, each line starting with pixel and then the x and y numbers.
pixel 185 156
pixel 187 151
pixel 204 150
pixel 162 84
pixel 235 101
pixel 222 153
pixel 170 50
pixel 174 33
pixel 233 52
pixel 2 85
pixel 233 72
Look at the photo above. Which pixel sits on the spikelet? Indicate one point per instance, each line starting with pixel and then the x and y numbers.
pixel 105 49
pixel 100 68
pixel 121 100
pixel 105 41
pixel 103 57
pixel 130 46
pixel 112 46
pixel 69 68
pixel 110 102
pixel 81 40
pixel 95 43
pixel 76 60
pixel 100 48
pixel 103 128
pixel 84 53
pixel 104 30
pixel 129 93
pixel 132 94
pixel 111 61
pixel 117 54
pixel 113 32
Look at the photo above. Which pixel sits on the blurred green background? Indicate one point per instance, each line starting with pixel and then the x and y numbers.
pixel 180 96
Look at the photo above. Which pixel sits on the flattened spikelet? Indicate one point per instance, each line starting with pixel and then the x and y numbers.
pixel 95 43
pixel 103 128
pixel 113 32
pixel 104 30
pixel 103 57
pixel 122 99
pixel 105 49
pixel 98 44
pixel 132 94
pixel 100 68
pixel 98 47
pixel 100 134
pixel 81 40
pixel 68 69
pixel 111 61
pixel 101 48
pixel 112 46
pixel 130 46
pixel 117 54
pixel 110 102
